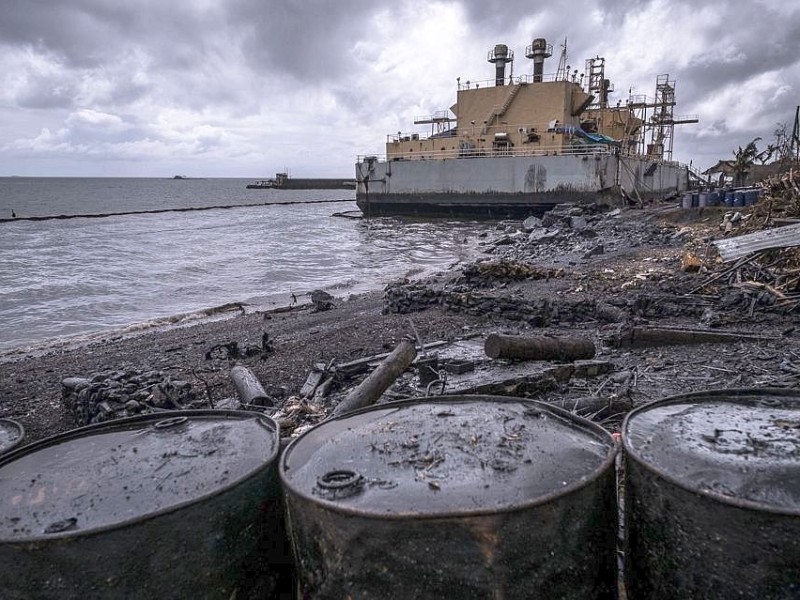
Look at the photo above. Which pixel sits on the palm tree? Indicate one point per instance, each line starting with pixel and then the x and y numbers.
pixel 743 161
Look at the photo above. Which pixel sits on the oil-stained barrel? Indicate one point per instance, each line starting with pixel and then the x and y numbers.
pixel 11 435
pixel 182 504
pixel 453 497
pixel 712 496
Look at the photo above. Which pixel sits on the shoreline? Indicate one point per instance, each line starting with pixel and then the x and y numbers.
pixel 155 325
pixel 201 316
pixel 638 279
pixel 30 384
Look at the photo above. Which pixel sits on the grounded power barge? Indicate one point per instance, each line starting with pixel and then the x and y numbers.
pixel 520 145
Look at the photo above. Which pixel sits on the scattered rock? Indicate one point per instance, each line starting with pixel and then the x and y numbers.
pixel 116 394
pixel 594 251
pixel 321 300
pixel 531 223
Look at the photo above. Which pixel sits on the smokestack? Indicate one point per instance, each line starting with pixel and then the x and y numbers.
pixel 604 92
pixel 500 55
pixel 538 51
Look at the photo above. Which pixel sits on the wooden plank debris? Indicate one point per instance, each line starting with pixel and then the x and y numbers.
pixel 312 382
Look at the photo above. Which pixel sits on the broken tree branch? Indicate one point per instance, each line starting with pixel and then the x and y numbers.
pixel 377 382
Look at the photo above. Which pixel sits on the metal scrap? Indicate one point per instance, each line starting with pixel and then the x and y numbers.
pixel 731 249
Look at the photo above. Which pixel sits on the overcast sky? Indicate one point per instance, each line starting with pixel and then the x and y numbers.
pixel 245 88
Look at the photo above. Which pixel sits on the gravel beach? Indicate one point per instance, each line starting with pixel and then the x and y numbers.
pixel 640 271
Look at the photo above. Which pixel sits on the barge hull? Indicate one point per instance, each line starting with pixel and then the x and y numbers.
pixel 513 186
pixel 489 205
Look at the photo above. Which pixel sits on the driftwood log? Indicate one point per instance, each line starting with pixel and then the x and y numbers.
pixel 249 388
pixel 377 382
pixel 643 337
pixel 538 348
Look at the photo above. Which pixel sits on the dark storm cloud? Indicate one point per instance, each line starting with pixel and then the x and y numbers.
pixel 741 54
pixel 250 75
pixel 308 40
pixel 569 15
pixel 81 33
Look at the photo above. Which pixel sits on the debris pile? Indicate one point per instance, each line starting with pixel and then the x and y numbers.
pixel 570 235
pixel 299 414
pixel 780 200
pixel 765 253
pixel 492 271
pixel 110 395
pixel 404 297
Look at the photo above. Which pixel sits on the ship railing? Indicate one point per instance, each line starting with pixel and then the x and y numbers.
pixel 512 80
pixel 517 133
pixel 468 153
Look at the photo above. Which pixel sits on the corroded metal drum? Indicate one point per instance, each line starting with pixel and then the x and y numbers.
pixel 11 435
pixel 175 505
pixel 453 497
pixel 712 496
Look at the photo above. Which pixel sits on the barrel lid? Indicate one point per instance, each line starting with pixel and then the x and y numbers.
pixel 105 475
pixel 439 456
pixel 11 434
pixel 742 446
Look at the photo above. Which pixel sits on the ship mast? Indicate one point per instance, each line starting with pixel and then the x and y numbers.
pixel 562 71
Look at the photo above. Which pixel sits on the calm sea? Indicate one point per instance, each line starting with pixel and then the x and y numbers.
pixel 78 276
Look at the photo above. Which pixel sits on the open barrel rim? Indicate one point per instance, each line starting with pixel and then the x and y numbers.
pixel 733 396
pixel 88 430
pixel 4 451
pixel 588 426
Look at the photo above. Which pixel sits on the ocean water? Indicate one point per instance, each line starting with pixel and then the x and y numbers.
pixel 72 277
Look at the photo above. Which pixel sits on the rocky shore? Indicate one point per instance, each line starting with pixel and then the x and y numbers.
pixel 593 272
